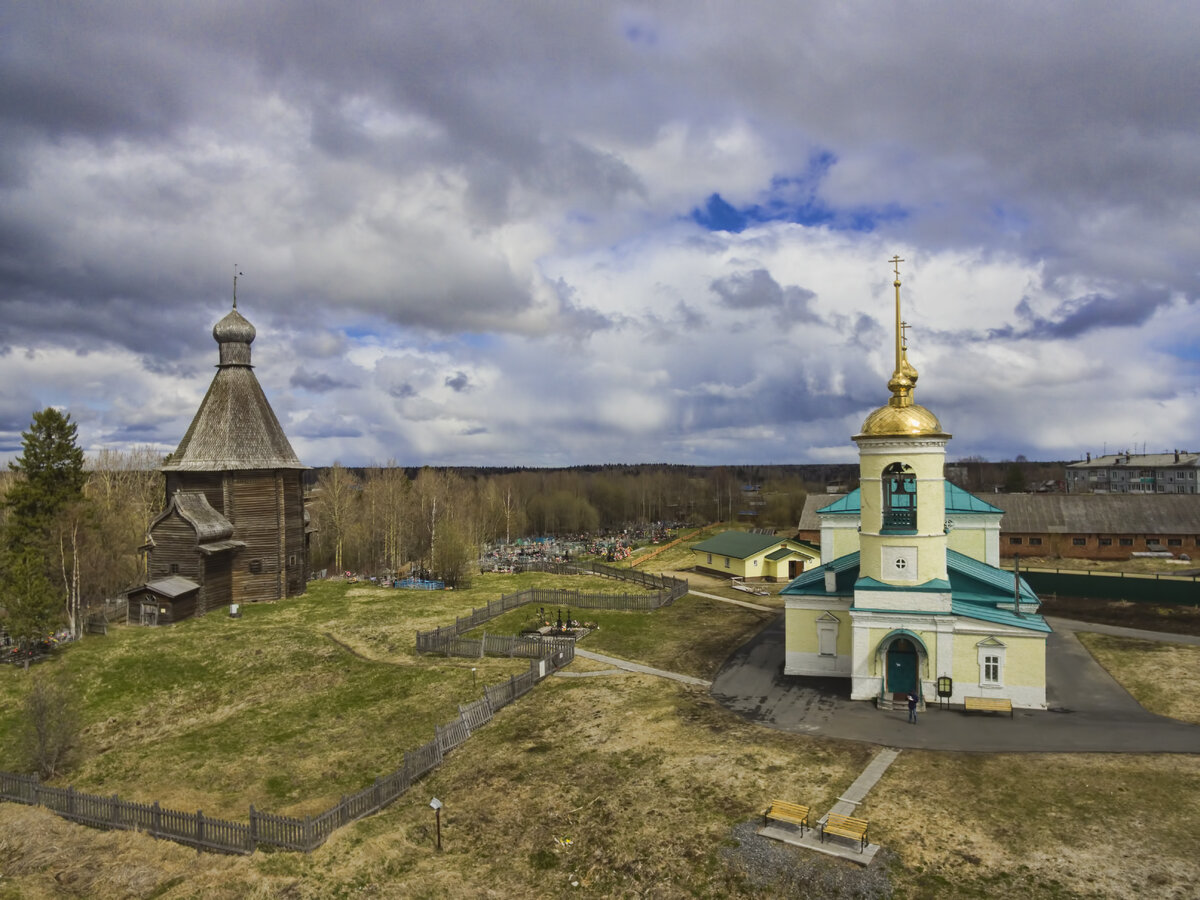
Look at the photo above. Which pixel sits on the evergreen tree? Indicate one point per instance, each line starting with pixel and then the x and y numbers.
pixel 47 492
pixel 50 478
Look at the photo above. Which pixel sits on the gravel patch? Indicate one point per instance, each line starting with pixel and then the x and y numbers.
pixel 783 870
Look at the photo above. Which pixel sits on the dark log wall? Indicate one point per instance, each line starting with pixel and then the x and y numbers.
pixel 218 580
pixel 209 482
pixel 254 511
pixel 174 543
pixel 295 547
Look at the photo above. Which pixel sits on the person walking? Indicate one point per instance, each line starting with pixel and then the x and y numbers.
pixel 912 707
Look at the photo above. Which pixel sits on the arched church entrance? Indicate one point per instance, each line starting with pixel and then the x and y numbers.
pixel 901 654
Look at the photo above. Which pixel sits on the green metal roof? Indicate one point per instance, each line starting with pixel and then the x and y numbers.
pixel 977 590
pixel 781 553
pixel 957 501
pixel 739 544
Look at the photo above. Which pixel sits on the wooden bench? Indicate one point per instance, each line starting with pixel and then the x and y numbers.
pixel 846 826
pixel 988 704
pixel 783 811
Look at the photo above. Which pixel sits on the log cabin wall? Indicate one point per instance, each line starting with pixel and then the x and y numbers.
pixel 254 510
pixel 211 483
pixel 175 550
pixel 218 580
pixel 295 547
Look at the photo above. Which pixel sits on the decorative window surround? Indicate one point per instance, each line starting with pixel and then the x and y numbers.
pixel 991 662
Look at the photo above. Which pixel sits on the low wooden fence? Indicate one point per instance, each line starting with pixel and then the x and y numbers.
pixel 286 832
pixel 447 639
pixel 546 655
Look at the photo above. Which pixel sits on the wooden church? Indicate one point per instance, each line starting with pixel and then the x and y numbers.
pixel 233 526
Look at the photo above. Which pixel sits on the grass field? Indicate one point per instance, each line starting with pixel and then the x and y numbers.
pixel 625 785
pixel 1160 676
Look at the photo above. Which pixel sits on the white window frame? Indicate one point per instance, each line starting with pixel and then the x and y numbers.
pixel 827 633
pixel 991 653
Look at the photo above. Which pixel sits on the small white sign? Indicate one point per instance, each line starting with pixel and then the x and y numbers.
pixel 435 803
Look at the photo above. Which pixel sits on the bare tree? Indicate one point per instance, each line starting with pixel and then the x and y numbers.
pixel 50 726
pixel 333 498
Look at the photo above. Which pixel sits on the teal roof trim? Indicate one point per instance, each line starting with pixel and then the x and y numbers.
pixel 987 613
pixel 851 503
pixel 977 590
pixel 960 501
pixel 936 585
pixel 812 582
pixel 957 501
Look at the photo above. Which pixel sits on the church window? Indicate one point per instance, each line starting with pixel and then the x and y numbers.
pixel 1035 542
pixel 1126 542
pixel 1174 542
pixel 899 498
pixel 1105 542
pixel 827 633
pixel 1016 540
pixel 256 567
pixel 991 662
pixel 1079 542
pixel 991 669
pixel 174 568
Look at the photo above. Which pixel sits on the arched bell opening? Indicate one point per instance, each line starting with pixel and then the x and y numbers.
pixel 899 499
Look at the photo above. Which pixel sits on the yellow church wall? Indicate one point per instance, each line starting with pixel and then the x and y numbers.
pixel 1025 661
pixel 970 542
pixel 800 631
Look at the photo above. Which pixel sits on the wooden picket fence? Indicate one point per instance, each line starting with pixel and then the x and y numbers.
pixel 546 655
pixel 447 638
pixel 285 832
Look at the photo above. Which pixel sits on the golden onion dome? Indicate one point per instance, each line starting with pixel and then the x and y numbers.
pixel 901 417
pixel 892 421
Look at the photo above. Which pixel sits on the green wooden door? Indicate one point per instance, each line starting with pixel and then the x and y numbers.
pixel 901 670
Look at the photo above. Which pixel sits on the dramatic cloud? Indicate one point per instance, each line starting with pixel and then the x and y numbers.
pixel 560 233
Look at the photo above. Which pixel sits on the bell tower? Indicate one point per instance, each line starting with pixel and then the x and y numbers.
pixel 902 458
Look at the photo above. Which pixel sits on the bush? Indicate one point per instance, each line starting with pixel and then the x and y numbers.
pixel 50 726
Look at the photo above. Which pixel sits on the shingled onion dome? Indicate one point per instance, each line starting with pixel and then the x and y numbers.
pixel 901 416
pixel 235 428
pixel 234 334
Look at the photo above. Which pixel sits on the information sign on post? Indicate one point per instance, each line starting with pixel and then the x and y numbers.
pixel 436 804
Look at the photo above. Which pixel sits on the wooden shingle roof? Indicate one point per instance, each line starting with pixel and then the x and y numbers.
pixel 235 427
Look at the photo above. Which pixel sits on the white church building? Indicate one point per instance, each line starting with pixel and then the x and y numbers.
pixel 909 590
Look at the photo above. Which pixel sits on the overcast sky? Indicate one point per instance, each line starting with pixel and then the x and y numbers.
pixel 555 233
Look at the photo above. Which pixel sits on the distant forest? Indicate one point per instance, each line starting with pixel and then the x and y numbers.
pixel 386 518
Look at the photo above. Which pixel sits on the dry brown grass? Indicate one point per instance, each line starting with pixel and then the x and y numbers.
pixel 644 777
pixel 1160 676
pixel 1040 825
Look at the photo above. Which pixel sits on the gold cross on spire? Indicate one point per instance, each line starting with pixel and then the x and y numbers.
pixel 895 261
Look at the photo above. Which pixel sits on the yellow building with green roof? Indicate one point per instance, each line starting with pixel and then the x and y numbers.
pixel 908 593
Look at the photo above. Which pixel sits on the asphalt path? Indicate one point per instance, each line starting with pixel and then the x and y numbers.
pixel 1088 710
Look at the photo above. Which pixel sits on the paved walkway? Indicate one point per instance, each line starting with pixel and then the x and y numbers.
pixel 1166 637
pixel 745 603
pixel 627 666
pixel 1089 711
